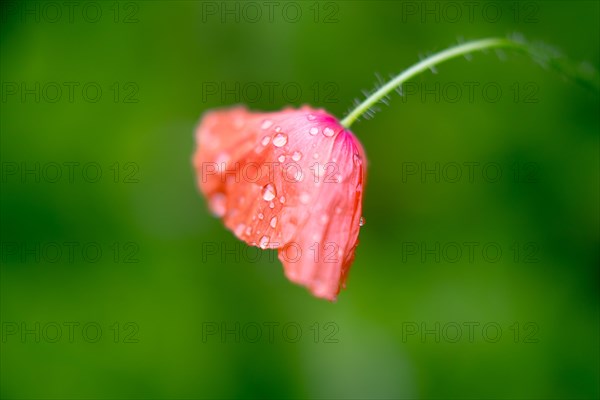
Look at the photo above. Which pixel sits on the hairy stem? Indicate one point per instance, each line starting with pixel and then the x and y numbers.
pixel 424 65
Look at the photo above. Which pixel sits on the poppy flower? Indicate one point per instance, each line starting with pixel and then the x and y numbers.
pixel 293 180
pixel 290 180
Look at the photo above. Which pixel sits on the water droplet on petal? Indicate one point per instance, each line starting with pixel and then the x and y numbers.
pixel 217 204
pixel 239 229
pixel 328 132
pixel 282 199
pixel 269 192
pixel 264 241
pixel 248 230
pixel 272 205
pixel 280 140
pixel 311 117
pixel 273 222
pixel 267 123
pixel 221 160
pixel 277 129
pixel 296 156
pixel 265 141
pixel 362 221
pixel 304 198
pixel 313 131
pixel 261 216
pixel 281 158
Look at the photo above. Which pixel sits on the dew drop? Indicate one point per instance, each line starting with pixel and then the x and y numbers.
pixel 362 221
pixel 281 158
pixel 267 123
pixel 313 131
pixel 277 129
pixel 269 192
pixel 239 229
pixel 296 156
pixel 264 241
pixel 248 230
pixel 217 204
pixel 311 117
pixel 265 141
pixel 222 160
pixel 304 198
pixel 272 205
pixel 282 199
pixel 280 140
pixel 273 222
pixel 328 132
pixel 261 216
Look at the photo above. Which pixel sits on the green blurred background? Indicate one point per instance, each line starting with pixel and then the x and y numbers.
pixel 181 319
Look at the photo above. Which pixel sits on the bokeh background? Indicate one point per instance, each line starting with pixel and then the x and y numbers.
pixel 175 307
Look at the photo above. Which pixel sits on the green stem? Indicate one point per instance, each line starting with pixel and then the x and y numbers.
pixel 424 65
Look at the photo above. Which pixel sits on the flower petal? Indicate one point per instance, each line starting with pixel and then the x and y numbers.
pixel 291 180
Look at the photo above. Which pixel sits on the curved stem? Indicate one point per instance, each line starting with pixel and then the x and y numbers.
pixel 424 65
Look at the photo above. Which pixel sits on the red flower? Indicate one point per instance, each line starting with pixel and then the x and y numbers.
pixel 291 180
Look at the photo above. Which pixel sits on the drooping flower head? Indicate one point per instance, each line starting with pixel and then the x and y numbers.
pixel 293 180
pixel 290 180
